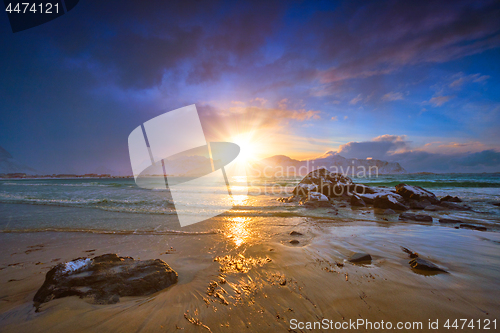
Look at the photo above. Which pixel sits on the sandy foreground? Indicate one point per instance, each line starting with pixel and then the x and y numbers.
pixel 259 282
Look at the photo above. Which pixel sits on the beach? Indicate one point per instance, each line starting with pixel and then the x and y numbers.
pixel 240 272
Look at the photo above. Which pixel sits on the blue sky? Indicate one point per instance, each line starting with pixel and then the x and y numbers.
pixel 412 82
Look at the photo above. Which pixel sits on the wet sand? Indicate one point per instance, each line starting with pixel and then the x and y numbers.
pixel 248 277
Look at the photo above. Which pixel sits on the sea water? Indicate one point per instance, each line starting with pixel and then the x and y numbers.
pixel 84 204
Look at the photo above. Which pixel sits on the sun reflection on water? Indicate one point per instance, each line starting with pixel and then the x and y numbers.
pixel 239 200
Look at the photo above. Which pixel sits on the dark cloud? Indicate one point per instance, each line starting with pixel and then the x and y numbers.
pixel 381 37
pixel 395 148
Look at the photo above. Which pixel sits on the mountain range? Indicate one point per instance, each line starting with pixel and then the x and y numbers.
pixel 281 165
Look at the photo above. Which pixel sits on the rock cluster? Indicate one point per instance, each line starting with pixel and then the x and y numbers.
pixel 320 187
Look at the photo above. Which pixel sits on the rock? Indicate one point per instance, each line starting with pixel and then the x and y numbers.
pixel 414 204
pixel 415 217
pixel 324 181
pixel 362 189
pixel 389 211
pixel 392 201
pixel 410 192
pixel 317 204
pixel 447 221
pixel 432 208
pixel 288 199
pixel 425 202
pixel 454 205
pixel 360 257
pixel 104 279
pixel 295 233
pixel 316 196
pixel 422 264
pixel 357 201
pixel 449 198
pixel 294 242
pixel 411 253
pixel 375 193
pixel 303 189
pixel 473 227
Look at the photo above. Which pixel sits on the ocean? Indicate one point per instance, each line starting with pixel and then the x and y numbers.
pixel 119 205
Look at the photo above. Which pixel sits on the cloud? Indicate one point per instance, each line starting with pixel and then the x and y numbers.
pixel 481 78
pixel 439 100
pixel 454 147
pixel 224 122
pixel 461 79
pixel 392 96
pixel 259 100
pixel 482 158
pixel 380 147
pixel 394 34
pixel 355 100
pixel 419 161
pixel 449 157
pixel 335 118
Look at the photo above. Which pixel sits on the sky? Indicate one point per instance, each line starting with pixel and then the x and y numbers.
pixel 416 82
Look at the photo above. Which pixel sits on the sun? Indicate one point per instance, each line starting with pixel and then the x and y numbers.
pixel 249 149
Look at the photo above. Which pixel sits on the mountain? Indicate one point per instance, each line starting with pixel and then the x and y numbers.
pixel 280 165
pixel 9 165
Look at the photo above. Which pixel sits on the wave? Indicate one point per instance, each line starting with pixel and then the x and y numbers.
pixel 163 206
pixel 92 184
pixel 113 232
pixel 9 198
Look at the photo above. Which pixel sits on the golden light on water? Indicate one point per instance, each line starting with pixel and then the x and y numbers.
pixel 239 200
pixel 238 229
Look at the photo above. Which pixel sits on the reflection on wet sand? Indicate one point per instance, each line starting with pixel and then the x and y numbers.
pixel 238 230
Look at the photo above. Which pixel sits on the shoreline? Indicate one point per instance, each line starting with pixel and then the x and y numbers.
pixel 259 299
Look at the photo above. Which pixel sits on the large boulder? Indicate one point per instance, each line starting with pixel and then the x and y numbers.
pixel 410 192
pixel 324 181
pixel 105 278
pixel 392 201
